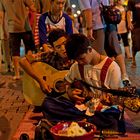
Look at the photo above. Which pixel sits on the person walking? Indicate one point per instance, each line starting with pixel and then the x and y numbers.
pixel 4 43
pixel 122 28
pixel 18 28
pixel 94 24
pixel 98 30
pixel 133 16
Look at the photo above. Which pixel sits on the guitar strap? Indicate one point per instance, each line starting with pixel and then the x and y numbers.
pixel 81 70
pixel 103 70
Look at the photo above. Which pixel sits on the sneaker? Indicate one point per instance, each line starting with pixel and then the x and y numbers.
pixel 126 83
pixel 125 80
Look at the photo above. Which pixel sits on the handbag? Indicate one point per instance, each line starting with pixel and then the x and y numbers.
pixel 110 14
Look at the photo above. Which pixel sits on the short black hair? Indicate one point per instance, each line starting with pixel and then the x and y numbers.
pixel 55 34
pixel 76 45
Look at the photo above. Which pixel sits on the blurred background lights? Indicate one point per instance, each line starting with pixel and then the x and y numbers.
pixel 73 6
pixel 75 15
pixel 78 12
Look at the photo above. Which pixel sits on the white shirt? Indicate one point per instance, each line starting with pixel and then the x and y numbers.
pixel 92 74
pixel 92 77
pixel 94 6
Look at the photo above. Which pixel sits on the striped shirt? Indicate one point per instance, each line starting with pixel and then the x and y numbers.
pixel 36 31
pixel 46 25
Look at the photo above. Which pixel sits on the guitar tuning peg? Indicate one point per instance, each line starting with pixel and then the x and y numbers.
pixel 24 136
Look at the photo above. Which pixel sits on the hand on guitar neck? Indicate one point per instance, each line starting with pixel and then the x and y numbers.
pixel 75 94
pixel 130 101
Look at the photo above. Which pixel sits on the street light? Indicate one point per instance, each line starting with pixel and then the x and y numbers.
pixel 78 12
pixel 73 6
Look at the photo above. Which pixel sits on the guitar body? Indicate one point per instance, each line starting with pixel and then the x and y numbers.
pixel 31 89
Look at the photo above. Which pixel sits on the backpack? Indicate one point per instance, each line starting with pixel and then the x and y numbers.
pixel 111 14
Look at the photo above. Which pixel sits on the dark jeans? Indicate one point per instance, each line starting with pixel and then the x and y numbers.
pixel 61 109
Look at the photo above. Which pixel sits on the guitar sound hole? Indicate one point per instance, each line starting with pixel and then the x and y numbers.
pixel 44 78
pixel 60 86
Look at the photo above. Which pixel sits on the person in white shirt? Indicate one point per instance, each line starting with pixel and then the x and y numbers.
pixel 94 23
pixel 122 27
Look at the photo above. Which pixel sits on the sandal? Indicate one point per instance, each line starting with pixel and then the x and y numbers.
pixel 16 78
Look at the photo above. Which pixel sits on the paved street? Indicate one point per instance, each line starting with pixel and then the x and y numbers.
pixel 13 107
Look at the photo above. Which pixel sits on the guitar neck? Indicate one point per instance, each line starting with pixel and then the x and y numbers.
pixel 132 103
pixel 112 100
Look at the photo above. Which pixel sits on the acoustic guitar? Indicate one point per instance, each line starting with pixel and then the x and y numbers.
pixel 54 78
pixel 34 95
pixel 132 103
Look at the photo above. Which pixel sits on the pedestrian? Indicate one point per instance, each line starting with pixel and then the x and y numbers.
pixel 4 43
pixel 133 16
pixel 105 35
pixel 94 24
pixel 122 28
pixel 18 28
